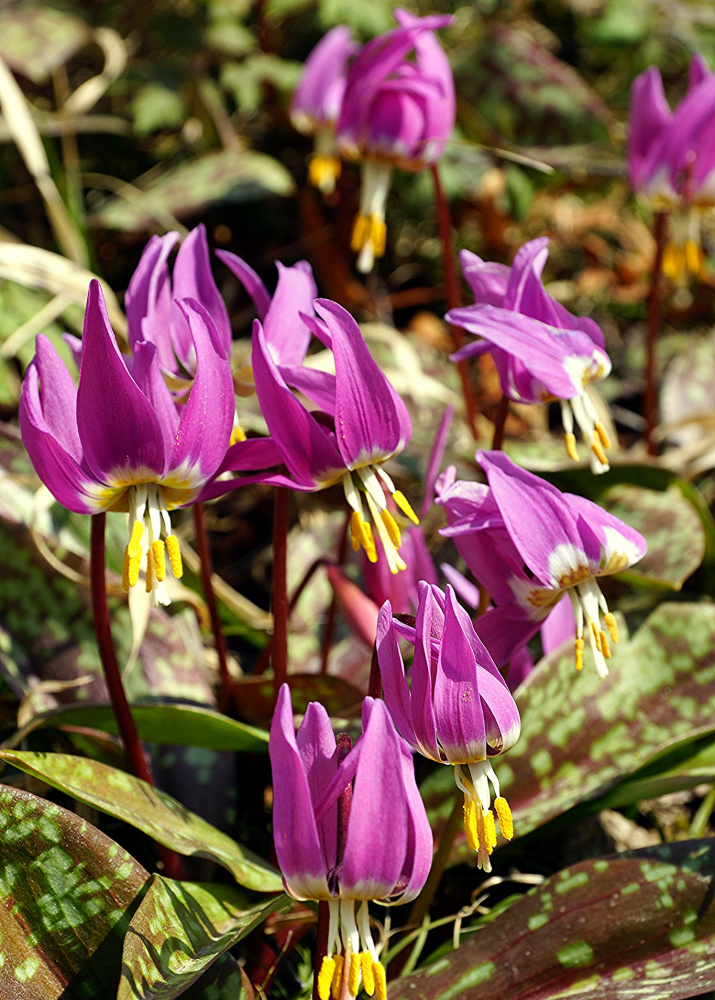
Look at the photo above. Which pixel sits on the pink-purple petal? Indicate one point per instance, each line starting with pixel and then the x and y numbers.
pixel 396 689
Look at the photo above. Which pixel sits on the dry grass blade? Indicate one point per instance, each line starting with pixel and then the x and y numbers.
pixel 115 60
pixel 42 318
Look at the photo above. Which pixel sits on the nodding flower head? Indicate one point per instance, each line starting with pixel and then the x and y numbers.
pixel 457 708
pixel 119 442
pixel 328 801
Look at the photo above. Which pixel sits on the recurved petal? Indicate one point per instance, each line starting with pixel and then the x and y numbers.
pixel 294 828
pixel 319 756
pixel 193 280
pixel 428 631
pixel 204 431
pixel 286 334
pixel 649 115
pixel 58 397
pixel 372 864
pixel 148 297
pixel 622 545
pixel 319 94
pixel 249 279
pixel 418 852
pixel 392 670
pixel 501 716
pixel 458 713
pixel 371 421
pixel 119 430
pixel 487 280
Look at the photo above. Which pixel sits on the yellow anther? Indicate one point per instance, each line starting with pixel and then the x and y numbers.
pixel 378 234
pixel 354 975
pixel 602 434
pixel 369 542
pixel 470 824
pixel 506 822
pixel 604 647
pixel 159 560
pixel 125 570
pixel 355 533
pixel 392 530
pixel 490 831
pixel 174 553
pixel 598 450
pixel 403 503
pixel 380 981
pixel 323 172
pixel 360 233
pixel 133 568
pixel 694 258
pixel 237 434
pixel 368 976
pixel 611 625
pixel 325 977
pixel 134 548
pixel 337 987
pixel 596 636
pixel 149 571
pixel 483 851
pixel 579 653
pixel 571 449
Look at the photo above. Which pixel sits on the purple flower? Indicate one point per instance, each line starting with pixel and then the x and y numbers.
pixel 540 350
pixel 457 709
pixel 361 423
pixel 529 544
pixel 327 807
pixel 119 442
pixel 396 112
pixel 317 101
pixel 671 159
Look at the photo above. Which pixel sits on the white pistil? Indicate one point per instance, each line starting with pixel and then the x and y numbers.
pixel 588 602
pixel 369 230
pixel 593 431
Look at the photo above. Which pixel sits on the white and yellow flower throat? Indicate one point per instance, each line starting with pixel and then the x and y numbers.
pixel 367 481
pixel 324 167
pixel 588 602
pixel 351 955
pixel 683 253
pixel 369 229
pixel 591 427
pixel 479 823
pixel 148 519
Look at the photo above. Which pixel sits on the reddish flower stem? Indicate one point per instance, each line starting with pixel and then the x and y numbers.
pixel 202 547
pixel 499 422
pixel 279 603
pixel 127 730
pixel 452 294
pixel 660 230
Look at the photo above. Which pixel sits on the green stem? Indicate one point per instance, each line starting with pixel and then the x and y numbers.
pixel 204 552
pixel 660 230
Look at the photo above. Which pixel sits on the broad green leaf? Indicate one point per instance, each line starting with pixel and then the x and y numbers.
pixel 182 190
pixel 37 40
pixel 148 809
pixel 178 930
pixel 671 526
pixel 581 736
pixel 182 725
pixel 67 893
pixel 640 924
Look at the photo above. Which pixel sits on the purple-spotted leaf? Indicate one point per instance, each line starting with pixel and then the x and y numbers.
pixel 581 736
pixel 178 930
pixel 67 893
pixel 671 526
pixel 640 924
pixel 148 809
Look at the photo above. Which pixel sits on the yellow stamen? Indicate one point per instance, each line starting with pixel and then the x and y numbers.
pixel 403 503
pixel 369 229
pixel 506 821
pixel 157 551
pixel 134 548
pixel 368 976
pixel 237 434
pixel 369 543
pixel 325 977
pixel 470 824
pixel 611 625
pixel 149 571
pixel 174 553
pixel 605 648
pixel 125 570
pixel 354 975
pixel 579 653
pixel 603 434
pixel 337 986
pixel 673 263
pixel 483 852
pixel 378 232
pixel 323 172
pixel 392 530
pixel 571 449
pixel 359 235
pixel 490 831
pixel 355 533
pixel 598 450
pixel 380 981
pixel 596 636
pixel 694 258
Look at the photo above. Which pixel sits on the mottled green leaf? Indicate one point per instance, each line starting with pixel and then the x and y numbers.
pixel 67 893
pixel 671 526
pixel 637 925
pixel 148 809
pixel 257 699
pixel 581 736
pixel 38 39
pixel 178 930
pixel 182 190
pixel 182 725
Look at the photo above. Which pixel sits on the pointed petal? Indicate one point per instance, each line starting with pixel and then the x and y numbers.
pixel 418 849
pixel 319 93
pixel 193 280
pixel 119 430
pixel 429 626
pixel 204 432
pixel 622 545
pixel 147 301
pixel 286 334
pixel 392 670
pixel 147 375
pixel 249 279
pixel 649 115
pixel 59 397
pixel 371 420
pixel 487 280
pixel 372 865
pixel 319 756
pixel 435 459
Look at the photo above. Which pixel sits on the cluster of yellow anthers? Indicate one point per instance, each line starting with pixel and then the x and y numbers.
pixel 480 827
pixel 330 977
pixel 593 430
pixel 323 172
pixel 155 559
pixel 368 485
pixel 369 230
pixel 599 638
pixel 681 261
